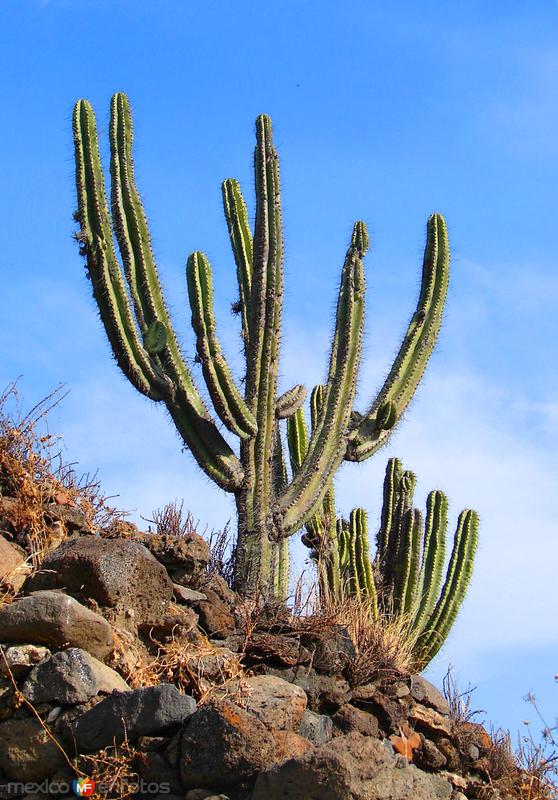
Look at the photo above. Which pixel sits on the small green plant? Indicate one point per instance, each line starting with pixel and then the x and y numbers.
pixel 271 507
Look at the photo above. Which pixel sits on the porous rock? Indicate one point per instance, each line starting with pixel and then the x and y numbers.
pixel 326 693
pixel 21 658
pixel 116 573
pixel 184 557
pixel 149 711
pixel 27 752
pixel 317 728
pixel 71 676
pixel 273 701
pixel 351 767
pixel 427 694
pixel 222 745
pixel 13 570
pixel 55 620
pixel 349 718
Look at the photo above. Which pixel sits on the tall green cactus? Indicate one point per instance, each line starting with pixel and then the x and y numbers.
pixel 271 507
pixel 406 575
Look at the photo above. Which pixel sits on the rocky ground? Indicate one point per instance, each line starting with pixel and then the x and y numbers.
pixel 126 660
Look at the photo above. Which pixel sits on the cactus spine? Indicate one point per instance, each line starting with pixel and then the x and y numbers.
pixel 271 505
pixel 406 574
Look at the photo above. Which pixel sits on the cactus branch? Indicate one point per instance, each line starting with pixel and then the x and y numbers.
pixel 226 397
pixel 373 429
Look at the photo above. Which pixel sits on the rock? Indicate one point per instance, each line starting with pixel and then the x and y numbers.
pixel 150 711
pixel 333 650
pixel 427 694
pixel 185 557
pixel 19 659
pixel 69 677
pixel 428 756
pixel 289 744
pixel 27 753
pixel 317 728
pixel 177 623
pixel 13 567
pixel 349 718
pixel 429 720
pixel 450 753
pixel 223 745
pixel 55 620
pixel 217 665
pixel 116 573
pixel 326 693
pixel 154 768
pixel 351 767
pixel 216 618
pixel 276 703
pixel 186 595
pixel 389 713
pixel 73 518
pixel 274 649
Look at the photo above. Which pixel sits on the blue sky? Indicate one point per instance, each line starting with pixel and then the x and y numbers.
pixel 384 112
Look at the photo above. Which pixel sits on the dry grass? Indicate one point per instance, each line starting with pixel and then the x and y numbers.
pixel 34 474
pixel 171 520
pixel 385 647
pixel 526 772
pixel 112 770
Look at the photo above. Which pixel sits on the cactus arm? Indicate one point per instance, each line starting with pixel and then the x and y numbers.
pixel 389 508
pixel 358 521
pixel 202 437
pixel 327 444
pixel 373 429
pixel 434 549
pixel 457 580
pixel 226 397
pixel 240 235
pixel 279 549
pixel 263 352
pixel 107 281
pixel 289 402
pixel 397 544
pixel 407 568
pixel 297 438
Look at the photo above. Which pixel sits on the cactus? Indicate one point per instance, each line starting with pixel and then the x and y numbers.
pixel 271 507
pixel 406 575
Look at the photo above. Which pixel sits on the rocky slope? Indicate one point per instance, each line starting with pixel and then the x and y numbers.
pixel 126 661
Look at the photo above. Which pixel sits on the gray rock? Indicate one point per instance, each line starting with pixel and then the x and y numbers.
pixel 427 694
pixel 71 676
pixel 223 745
pixel 116 573
pixel 317 728
pixel 151 711
pixel 326 693
pixel 27 753
pixel 21 658
pixel 185 557
pixel 55 620
pixel 428 756
pixel 349 718
pixel 215 615
pixel 351 767
pixel 186 595
pixel 276 703
pixel 333 650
